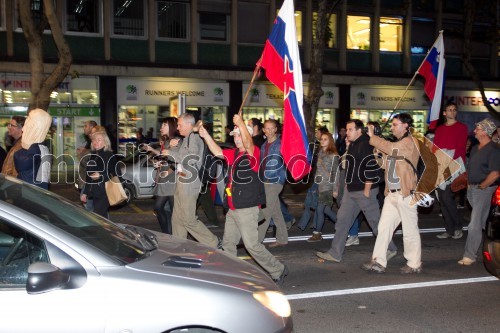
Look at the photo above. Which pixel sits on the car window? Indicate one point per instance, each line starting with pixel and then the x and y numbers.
pixel 106 236
pixel 18 249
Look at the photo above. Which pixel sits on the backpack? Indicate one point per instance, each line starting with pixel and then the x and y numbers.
pixel 208 170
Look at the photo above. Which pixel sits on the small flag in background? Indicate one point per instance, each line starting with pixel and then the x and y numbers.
pixel 432 69
pixel 281 61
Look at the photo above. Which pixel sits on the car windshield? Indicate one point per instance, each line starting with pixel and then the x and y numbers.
pixel 115 241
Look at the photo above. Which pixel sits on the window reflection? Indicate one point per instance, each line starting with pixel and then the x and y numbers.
pixel 82 16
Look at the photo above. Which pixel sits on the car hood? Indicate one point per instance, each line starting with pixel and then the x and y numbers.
pixel 186 259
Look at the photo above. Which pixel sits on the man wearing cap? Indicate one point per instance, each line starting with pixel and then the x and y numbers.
pixel 244 194
pixel 451 136
pixel 483 172
pixel 273 175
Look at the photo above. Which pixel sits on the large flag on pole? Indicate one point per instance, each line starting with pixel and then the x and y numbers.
pixel 281 61
pixel 432 69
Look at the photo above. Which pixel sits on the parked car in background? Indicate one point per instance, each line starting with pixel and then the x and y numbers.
pixel 491 244
pixel 138 175
pixel 64 269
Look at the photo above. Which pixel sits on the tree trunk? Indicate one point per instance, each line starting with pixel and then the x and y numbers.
pixel 43 85
pixel 311 101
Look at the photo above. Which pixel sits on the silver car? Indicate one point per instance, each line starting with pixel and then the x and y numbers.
pixel 138 175
pixel 63 269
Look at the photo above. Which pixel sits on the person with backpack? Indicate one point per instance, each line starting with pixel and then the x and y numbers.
pixel 189 160
pixel 244 195
pixel 399 206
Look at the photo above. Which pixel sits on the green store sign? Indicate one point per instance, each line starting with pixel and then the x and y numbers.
pixel 54 111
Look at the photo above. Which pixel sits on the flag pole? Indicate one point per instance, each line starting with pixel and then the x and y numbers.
pixel 255 73
pixel 411 82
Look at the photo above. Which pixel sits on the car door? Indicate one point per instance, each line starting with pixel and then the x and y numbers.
pixel 144 173
pixel 73 308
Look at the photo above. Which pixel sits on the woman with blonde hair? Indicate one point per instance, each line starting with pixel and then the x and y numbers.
pixel 100 168
pixel 326 178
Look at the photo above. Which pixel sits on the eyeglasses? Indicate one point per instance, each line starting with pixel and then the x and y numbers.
pixel 9 125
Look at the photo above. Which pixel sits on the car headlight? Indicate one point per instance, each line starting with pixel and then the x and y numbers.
pixel 274 301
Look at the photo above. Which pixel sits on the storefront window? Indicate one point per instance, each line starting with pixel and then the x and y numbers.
pixel 381 116
pixel 391 34
pixel 214 26
pixel 358 32
pixel 331 30
pixel 173 19
pixel 128 18
pixel 83 16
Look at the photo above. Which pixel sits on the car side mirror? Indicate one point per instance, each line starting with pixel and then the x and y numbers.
pixel 44 277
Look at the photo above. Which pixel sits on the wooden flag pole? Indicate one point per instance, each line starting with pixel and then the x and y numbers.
pixel 255 73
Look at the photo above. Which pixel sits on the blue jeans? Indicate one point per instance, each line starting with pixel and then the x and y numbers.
pixel 354 231
pixel 319 216
pixel 311 202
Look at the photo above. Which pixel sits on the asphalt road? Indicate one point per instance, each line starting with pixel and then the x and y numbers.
pixel 340 297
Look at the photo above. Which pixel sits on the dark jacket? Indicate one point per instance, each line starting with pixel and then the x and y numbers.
pixel 27 163
pixel 103 162
pixel 361 165
pixel 247 189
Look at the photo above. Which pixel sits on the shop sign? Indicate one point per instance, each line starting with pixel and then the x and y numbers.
pixel 268 95
pixel 471 101
pixel 157 92
pixel 387 98
pixel 23 82
pixel 74 112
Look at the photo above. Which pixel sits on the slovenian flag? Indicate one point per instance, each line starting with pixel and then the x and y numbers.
pixel 281 61
pixel 432 69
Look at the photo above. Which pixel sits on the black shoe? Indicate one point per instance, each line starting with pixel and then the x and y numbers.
pixel 219 244
pixel 279 281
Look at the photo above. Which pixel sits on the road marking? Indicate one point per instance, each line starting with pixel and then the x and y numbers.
pixel 361 234
pixel 390 288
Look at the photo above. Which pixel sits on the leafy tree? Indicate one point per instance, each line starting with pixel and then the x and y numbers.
pixel 35 17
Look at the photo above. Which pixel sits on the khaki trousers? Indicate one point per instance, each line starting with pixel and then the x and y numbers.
pixel 273 211
pixel 398 210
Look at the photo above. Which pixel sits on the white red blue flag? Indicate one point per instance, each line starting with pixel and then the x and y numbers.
pixel 432 69
pixel 281 61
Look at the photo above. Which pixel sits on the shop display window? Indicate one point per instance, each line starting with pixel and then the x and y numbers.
pixel 381 116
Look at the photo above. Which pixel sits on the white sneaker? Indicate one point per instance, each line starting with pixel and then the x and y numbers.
pixel 390 254
pixel 352 240
pixel 444 235
pixel 457 234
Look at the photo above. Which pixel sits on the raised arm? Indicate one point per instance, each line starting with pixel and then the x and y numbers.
pixel 211 144
pixel 246 138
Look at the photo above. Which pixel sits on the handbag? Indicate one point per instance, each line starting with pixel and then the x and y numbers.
pixel 115 192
